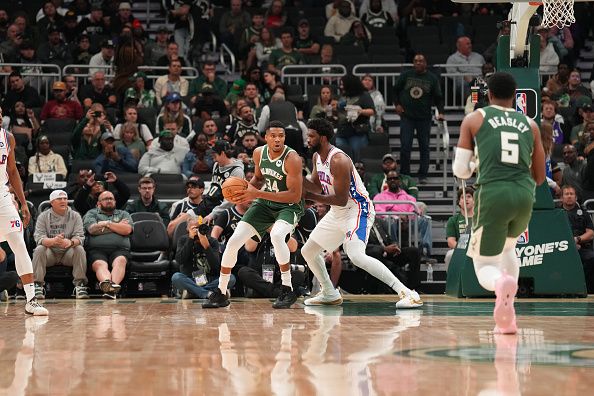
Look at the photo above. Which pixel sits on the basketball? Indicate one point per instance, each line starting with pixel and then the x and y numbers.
pixel 232 186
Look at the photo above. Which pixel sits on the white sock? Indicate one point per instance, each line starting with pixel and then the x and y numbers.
pixel 286 279
pixel 311 252
pixel 29 290
pixel 509 261
pixel 487 276
pixel 223 282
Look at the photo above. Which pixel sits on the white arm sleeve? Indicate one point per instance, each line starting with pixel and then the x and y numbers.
pixel 463 165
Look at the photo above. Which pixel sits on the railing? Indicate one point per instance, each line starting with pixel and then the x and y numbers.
pixel 40 80
pixel 443 149
pixel 226 51
pixel 413 223
pixel 82 77
pixel 307 75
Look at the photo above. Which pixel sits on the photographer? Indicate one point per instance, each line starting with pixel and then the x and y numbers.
pixel 262 275
pixel 88 195
pixel 199 261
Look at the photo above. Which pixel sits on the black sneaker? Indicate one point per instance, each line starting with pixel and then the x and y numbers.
pixel 216 300
pixel 286 298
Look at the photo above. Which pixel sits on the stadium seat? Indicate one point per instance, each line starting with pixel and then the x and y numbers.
pixel 170 190
pixel 139 216
pixel 147 242
pixel 53 126
pixel 81 164
pixel 163 178
pixel 374 151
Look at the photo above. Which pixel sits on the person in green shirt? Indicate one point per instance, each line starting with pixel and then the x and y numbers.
pixel 208 76
pixel 378 183
pixel 456 224
pixel 147 202
pixel 286 55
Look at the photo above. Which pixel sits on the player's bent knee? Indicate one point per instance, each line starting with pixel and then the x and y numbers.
pixel 310 250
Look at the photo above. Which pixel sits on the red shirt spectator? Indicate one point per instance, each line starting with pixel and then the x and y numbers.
pixel 60 107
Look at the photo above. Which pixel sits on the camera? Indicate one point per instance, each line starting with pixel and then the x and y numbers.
pixel 203 229
pixel 97 113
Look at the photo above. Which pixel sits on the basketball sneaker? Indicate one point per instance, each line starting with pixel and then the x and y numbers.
pixel 286 298
pixel 332 298
pixel 39 291
pixel 81 292
pixel 504 312
pixel 217 300
pixel 34 308
pixel 409 299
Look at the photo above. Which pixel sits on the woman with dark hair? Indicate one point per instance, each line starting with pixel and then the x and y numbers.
pixel 326 106
pixel 355 108
pixel 200 157
pixel 271 80
pixel 23 124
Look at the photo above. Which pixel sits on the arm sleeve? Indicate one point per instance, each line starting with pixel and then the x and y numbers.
pixel 183 255
pixel 451 228
pixel 89 219
pixel 80 202
pixel 123 193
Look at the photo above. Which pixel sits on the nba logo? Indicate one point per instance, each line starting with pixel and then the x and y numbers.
pixel 521 103
pixel 523 238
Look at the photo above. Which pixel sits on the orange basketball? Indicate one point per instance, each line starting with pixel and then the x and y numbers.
pixel 232 186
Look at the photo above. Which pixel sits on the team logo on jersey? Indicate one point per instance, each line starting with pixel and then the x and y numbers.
pixel 348 234
pixel 416 92
pixel 524 238
pixel 279 163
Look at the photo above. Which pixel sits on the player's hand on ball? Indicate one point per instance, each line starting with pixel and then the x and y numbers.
pixel 246 195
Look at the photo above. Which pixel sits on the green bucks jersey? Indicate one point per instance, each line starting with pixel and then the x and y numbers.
pixel 504 145
pixel 273 170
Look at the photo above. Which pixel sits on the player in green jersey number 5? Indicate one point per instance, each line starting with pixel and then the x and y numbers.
pixel 276 188
pixel 509 159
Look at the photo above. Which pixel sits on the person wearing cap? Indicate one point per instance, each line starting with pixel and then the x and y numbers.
pixel 162 156
pixel 108 243
pixel 19 91
pixel 287 55
pixel 191 206
pixel 60 106
pixel 88 194
pixel 97 92
pixel 45 160
pixel 172 113
pixel 60 237
pixel 235 92
pixel 155 49
pixel 114 158
pixel 305 42
pixel 54 50
pixel 207 77
pixel 103 60
pixel 378 182
pixel 145 98
pixel 172 82
pixel 71 29
pixel 147 202
pixel 124 16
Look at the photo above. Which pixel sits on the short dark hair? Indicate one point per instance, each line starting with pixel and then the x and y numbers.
pixel 275 124
pixel 146 180
pixel 322 126
pixel 469 190
pixel 15 73
pixel 502 85
pixel 221 146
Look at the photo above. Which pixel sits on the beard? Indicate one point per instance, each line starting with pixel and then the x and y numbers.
pixel 314 149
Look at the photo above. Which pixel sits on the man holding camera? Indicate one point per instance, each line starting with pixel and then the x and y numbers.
pixel 200 263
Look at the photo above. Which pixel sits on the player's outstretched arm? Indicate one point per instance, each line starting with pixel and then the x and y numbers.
pixel 538 156
pixel 15 181
pixel 341 168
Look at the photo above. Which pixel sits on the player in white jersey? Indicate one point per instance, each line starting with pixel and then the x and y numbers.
pixel 335 182
pixel 11 225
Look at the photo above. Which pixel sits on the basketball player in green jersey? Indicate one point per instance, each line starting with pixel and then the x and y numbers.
pixel 276 190
pixel 509 159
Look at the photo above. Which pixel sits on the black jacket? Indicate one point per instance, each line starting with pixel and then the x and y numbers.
pixel 84 201
pixel 190 253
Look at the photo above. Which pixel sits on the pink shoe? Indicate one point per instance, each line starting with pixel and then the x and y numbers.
pixel 504 312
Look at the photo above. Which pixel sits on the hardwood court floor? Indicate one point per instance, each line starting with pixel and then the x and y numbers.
pixel 170 347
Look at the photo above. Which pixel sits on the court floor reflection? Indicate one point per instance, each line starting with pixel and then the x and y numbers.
pixel 366 347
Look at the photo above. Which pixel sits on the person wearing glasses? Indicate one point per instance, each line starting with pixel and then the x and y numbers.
pixel 108 243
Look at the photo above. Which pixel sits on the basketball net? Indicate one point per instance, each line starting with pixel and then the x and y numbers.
pixel 557 13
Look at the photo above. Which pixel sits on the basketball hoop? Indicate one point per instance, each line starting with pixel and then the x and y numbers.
pixel 557 13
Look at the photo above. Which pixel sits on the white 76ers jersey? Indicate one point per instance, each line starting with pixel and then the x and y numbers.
pixel 4 150
pixel 358 195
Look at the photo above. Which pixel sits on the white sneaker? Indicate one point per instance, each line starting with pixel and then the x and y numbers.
pixel 409 299
pixel 34 308
pixel 332 298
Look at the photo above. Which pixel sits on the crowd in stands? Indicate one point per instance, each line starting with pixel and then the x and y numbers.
pixel 116 130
